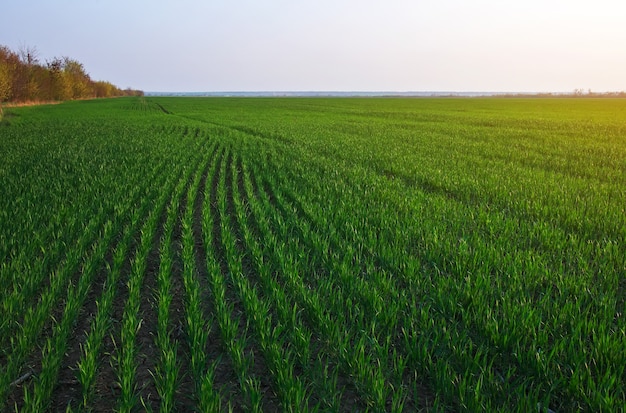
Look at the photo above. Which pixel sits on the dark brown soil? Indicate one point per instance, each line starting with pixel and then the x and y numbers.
pixel 344 392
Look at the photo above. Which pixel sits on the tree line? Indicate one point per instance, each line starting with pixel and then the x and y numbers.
pixel 23 78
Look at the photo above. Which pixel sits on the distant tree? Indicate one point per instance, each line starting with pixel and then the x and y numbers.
pixel 22 78
pixel 79 79
pixel 8 61
pixel 29 55
pixel 132 92
pixel 105 89
pixel 60 85
pixel 5 82
pixel 27 87
pixel 5 86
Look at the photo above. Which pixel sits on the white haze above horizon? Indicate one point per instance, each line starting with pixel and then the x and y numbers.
pixel 331 45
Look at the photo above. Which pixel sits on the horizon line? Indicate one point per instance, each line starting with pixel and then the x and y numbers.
pixel 577 92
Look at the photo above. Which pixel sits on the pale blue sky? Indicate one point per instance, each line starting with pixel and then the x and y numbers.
pixel 330 45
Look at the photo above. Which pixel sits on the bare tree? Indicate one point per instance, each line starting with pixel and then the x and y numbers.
pixel 25 85
pixel 29 55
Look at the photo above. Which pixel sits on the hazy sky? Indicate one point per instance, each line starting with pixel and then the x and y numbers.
pixel 347 45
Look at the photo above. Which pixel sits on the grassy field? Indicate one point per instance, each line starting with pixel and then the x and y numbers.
pixel 268 254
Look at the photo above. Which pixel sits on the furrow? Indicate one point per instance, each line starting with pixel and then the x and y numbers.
pixel 291 263
pixel 198 324
pixel 249 363
pixel 284 340
pixel 34 320
pixel 137 354
pixel 222 374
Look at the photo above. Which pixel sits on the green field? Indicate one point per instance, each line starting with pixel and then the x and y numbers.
pixel 292 254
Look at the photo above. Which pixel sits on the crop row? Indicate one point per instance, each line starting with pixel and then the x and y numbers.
pixel 361 255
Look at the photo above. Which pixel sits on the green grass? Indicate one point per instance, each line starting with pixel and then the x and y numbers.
pixel 315 254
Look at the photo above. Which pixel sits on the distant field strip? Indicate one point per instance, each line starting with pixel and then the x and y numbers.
pixel 221 254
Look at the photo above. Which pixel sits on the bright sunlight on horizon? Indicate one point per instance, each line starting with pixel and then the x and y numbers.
pixel 331 45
